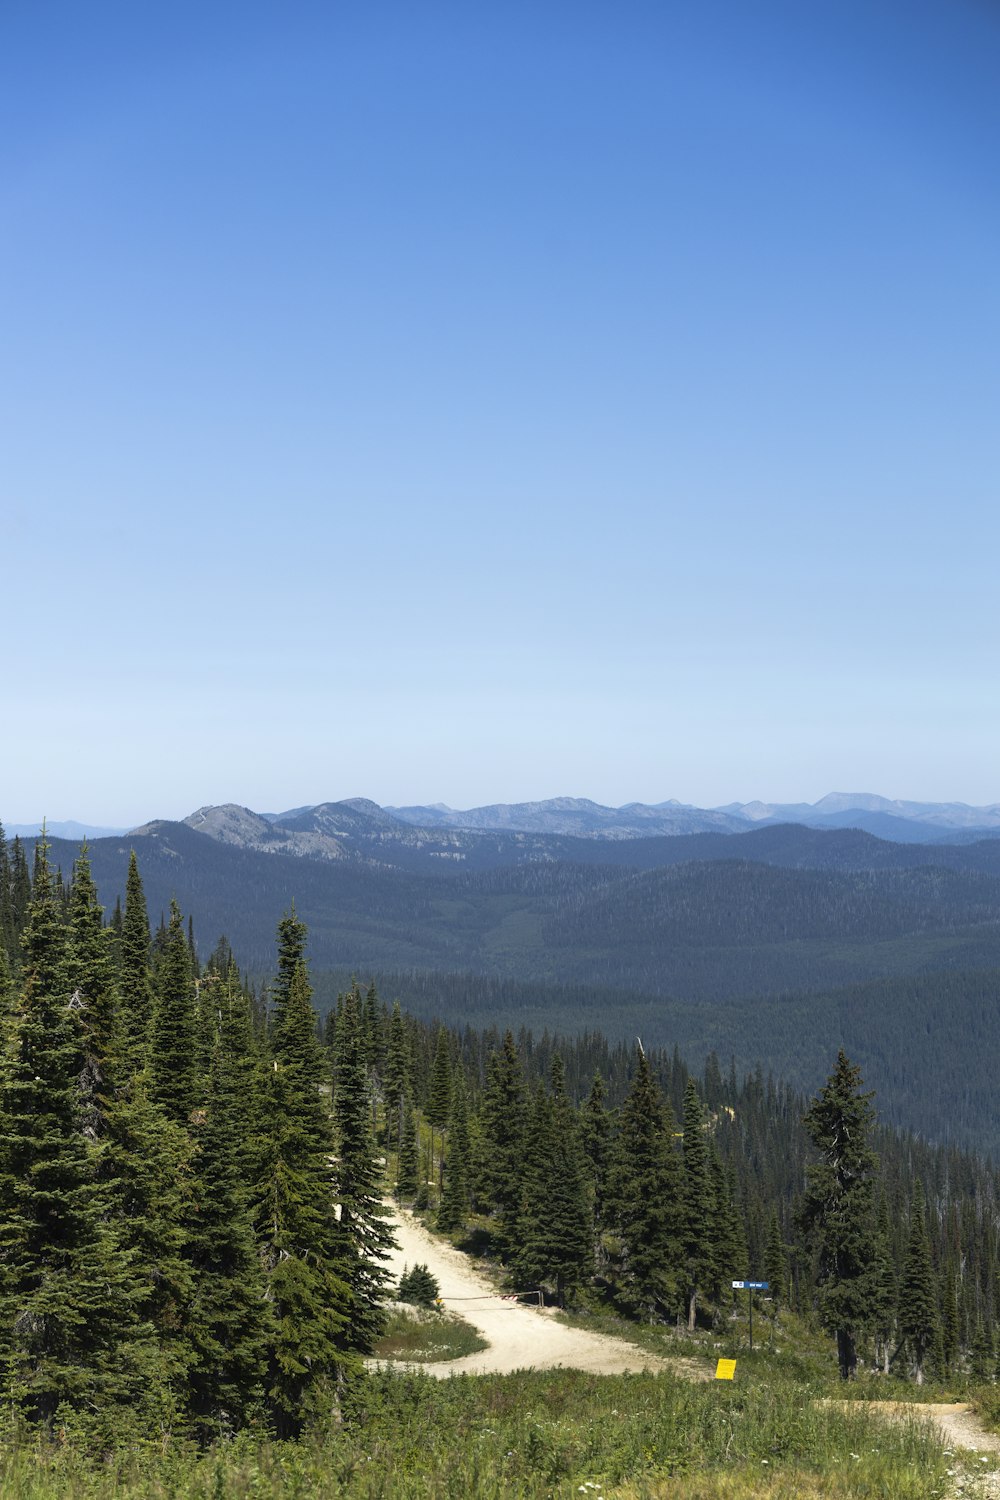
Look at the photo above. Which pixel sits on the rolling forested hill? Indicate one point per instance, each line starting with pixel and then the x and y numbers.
pixel 778 958
pixel 704 930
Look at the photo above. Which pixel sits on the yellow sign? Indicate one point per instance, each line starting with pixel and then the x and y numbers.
pixel 725 1369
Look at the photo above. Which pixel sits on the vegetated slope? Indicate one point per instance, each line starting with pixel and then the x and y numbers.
pixel 926 1044
pixel 703 931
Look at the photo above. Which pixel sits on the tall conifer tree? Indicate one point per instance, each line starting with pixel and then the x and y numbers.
pixel 503 1129
pixel 838 1210
pixel 918 1309
pixel 646 1208
pixel 363 1216
pixel 697 1205
pixel 228 1318
pixel 173 1037
pixel 67 1300
pixel 134 961
pixel 306 1257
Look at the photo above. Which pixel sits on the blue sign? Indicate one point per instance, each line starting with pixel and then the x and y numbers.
pixel 751 1286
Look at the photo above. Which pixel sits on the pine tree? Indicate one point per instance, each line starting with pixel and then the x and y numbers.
pixel 982 1361
pixel 838 1209
pixel 455 1195
pixel 732 1259
pixel 596 1142
pixel 20 887
pixel 146 1182
pixel 90 980
pixel 884 1293
pixel 776 1263
pixel 556 1236
pixel 439 1095
pixel 646 1189
pixel 67 1299
pixel 949 1318
pixel 918 1309
pixel 363 1216
pixel 697 1205
pixel 174 1031
pixel 135 976
pixel 408 1175
pixel 503 1128
pixel 397 1071
pixel 306 1258
pixel 227 1325
pixel 7 930
pixel 292 935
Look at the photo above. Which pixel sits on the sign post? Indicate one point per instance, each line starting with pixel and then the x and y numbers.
pixel 750 1287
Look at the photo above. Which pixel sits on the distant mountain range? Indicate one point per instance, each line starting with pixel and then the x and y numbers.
pixel 321 831
pixel 776 941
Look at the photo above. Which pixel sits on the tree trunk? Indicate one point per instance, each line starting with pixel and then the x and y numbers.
pixel 847 1354
pixel 692 1308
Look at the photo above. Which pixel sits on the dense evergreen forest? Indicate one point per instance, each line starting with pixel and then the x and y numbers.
pixel 170 1258
pixel 939 1026
pixel 192 1174
pixel 809 941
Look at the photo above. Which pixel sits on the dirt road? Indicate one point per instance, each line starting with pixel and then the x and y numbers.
pixel 519 1337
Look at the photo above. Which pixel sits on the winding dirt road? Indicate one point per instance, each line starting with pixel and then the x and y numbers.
pixel 520 1337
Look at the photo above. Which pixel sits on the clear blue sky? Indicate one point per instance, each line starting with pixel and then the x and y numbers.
pixel 473 403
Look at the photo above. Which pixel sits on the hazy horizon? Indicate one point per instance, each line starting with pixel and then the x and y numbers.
pixel 174 815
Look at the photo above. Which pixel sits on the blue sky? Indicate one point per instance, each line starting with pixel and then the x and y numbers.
pixel 474 403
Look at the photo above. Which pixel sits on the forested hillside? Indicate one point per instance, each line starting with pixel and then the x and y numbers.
pixel 700 930
pixel 190 1183
pixel 926 1043
pixel 778 962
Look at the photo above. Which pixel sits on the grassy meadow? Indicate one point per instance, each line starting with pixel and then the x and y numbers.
pixel 406 1436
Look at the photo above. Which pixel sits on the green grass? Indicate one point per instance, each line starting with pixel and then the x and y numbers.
pixel 422 1337
pixel 530 1435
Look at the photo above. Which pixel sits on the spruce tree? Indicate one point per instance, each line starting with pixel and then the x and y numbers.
pixel 697 1205
pixel 982 1360
pixel 395 1083
pixel 455 1195
pixel 306 1257
pixel 173 1040
pixel 7 930
pixel 408 1174
pixel 70 1335
pixel 918 1309
pixel 776 1263
pixel 838 1209
pixel 364 1219
pixel 950 1318
pixel 596 1142
pixel 646 1207
pixel 439 1095
pixel 227 1326
pixel 135 973
pixel 556 1231
pixel 20 887
pixel 146 1178
pixel 503 1129
pixel 90 980
pixel 884 1293
pixel 728 1234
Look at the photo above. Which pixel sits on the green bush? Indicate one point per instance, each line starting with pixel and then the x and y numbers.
pixel 418 1286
